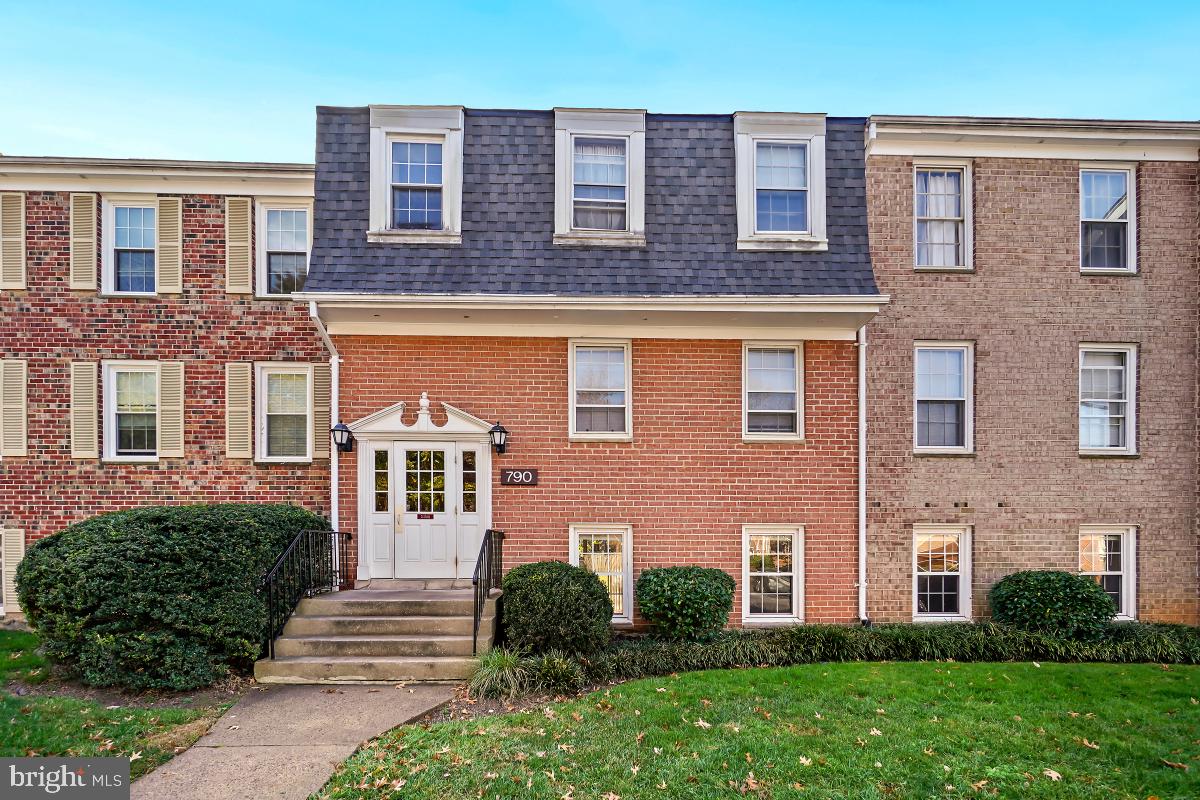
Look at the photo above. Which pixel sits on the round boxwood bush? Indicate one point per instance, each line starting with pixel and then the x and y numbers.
pixel 685 602
pixel 1060 604
pixel 160 596
pixel 550 605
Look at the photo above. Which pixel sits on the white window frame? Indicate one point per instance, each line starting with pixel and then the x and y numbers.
pixel 430 124
pixel 626 532
pixel 263 205
pixel 261 371
pixel 968 205
pixel 964 571
pixel 1131 382
pixel 798 570
pixel 600 436
pixel 1128 534
pixel 968 349
pixel 1131 248
pixel 752 128
pixel 108 225
pixel 756 436
pixel 627 124
pixel 109 408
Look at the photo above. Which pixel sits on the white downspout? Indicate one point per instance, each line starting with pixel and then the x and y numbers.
pixel 334 363
pixel 862 476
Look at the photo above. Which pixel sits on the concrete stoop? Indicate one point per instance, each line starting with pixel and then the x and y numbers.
pixel 395 632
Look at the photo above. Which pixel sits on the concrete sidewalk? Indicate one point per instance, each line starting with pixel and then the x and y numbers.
pixel 285 741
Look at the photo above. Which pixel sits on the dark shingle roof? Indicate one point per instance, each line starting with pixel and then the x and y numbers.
pixel 508 218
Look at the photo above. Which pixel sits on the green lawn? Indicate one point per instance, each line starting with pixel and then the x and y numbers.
pixel 855 730
pixel 38 725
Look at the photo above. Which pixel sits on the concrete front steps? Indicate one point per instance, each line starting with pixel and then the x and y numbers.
pixel 390 631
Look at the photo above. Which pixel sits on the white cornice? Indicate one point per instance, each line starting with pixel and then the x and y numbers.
pixel 26 173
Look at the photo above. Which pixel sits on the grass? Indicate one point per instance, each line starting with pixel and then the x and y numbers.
pixel 50 725
pixel 853 730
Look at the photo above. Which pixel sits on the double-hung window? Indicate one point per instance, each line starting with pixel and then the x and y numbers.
pixel 772 573
pixel 780 168
pixel 1107 555
pixel 131 411
pixel 1107 407
pixel 600 183
pixel 607 551
pixel 600 377
pixel 133 248
pixel 284 244
pixel 942 418
pixel 416 183
pixel 416 174
pixel 941 572
pixel 773 381
pixel 285 412
pixel 1107 233
pixel 781 187
pixel 941 203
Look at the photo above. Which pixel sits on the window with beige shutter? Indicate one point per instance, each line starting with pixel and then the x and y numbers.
pixel 239 410
pixel 83 241
pixel 170 245
pixel 322 396
pixel 84 408
pixel 12 240
pixel 13 412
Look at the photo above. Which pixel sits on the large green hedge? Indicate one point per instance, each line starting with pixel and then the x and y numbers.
pixel 159 596
pixel 549 605
pixel 1058 603
pixel 685 602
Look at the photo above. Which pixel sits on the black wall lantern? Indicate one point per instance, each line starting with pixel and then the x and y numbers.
pixel 499 436
pixel 343 438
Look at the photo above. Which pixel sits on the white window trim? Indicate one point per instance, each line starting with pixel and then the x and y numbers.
pixel 1128 562
pixel 600 436
pixel 969 391
pixel 630 125
pixel 108 221
pixel 750 128
pixel 626 532
pixel 798 570
pixel 437 124
pixel 108 404
pixel 747 434
pixel 1131 224
pixel 261 370
pixel 968 205
pixel 1131 370
pixel 964 571
pixel 261 206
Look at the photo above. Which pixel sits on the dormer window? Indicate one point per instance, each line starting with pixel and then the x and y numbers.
pixel 600 178
pixel 416 174
pixel 780 181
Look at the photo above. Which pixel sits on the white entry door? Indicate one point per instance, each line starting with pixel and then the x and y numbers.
pixel 426 503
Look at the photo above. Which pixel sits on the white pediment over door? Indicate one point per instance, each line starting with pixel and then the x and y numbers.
pixel 389 422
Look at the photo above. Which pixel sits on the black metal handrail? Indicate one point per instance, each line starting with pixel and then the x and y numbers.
pixel 313 563
pixel 489 569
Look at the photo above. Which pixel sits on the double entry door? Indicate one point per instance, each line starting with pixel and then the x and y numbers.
pixel 426 518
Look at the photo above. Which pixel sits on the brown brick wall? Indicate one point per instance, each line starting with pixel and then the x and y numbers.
pixel 50 325
pixel 1027 308
pixel 687 483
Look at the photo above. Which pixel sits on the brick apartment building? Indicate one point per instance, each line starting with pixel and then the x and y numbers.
pixel 669 314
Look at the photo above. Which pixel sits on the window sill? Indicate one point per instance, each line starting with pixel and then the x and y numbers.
pixel 266 462
pixel 951 453
pixel 600 239
pixel 414 237
pixel 941 618
pixel 803 244
pixel 128 294
pixel 129 460
pixel 771 622
pixel 1109 454
pixel 1126 273
pixel 952 270
pixel 749 438
pixel 277 297
pixel 600 437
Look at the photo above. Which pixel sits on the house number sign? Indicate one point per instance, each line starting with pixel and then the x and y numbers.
pixel 518 477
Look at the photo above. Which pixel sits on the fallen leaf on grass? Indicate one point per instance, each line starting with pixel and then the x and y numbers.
pixel 876 732
pixel 1052 775
pixel 804 761
pixel 702 724
pixel 1175 765
pixel 1088 745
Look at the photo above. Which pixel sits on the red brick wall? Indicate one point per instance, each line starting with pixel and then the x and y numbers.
pixel 1027 308
pixel 50 325
pixel 687 483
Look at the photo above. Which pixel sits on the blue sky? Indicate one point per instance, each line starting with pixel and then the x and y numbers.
pixel 239 80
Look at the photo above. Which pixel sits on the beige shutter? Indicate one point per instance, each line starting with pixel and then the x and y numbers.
pixel 12 240
pixel 83 410
pixel 239 410
pixel 83 241
pixel 169 256
pixel 170 409
pixel 13 551
pixel 322 386
pixel 238 261
pixel 12 407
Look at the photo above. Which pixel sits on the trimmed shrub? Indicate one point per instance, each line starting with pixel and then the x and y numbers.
pixel 550 605
pixel 685 603
pixel 160 597
pixel 1057 603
